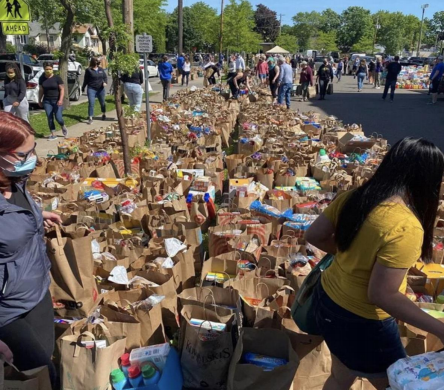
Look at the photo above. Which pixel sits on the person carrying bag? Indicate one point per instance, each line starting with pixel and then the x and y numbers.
pixel 376 233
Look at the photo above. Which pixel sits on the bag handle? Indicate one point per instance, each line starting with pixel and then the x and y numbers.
pixel 78 344
pixel 263 284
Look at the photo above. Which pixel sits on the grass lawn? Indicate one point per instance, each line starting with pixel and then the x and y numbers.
pixel 73 115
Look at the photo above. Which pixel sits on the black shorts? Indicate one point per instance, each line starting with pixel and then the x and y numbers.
pixel 435 86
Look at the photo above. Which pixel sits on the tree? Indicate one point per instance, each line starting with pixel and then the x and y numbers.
pixel 286 29
pixel 239 34
pixel 267 24
pixel 325 41
pixel 330 21
pixel 151 18
pixel 306 26
pixel 288 42
pixel 356 28
pixel 47 13
pixel 433 27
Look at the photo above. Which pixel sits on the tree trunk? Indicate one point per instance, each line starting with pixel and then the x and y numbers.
pixel 128 20
pixel 66 47
pixel 117 91
pixel 2 42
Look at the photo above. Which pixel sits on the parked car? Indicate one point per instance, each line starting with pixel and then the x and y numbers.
pixel 320 60
pixel 351 61
pixel 152 67
pixel 73 66
pixel 32 83
pixel 418 61
pixel 27 59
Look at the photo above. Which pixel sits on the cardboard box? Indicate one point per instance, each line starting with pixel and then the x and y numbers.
pixel 346 145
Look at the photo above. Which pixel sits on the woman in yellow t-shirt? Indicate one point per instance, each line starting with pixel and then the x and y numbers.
pixel 377 232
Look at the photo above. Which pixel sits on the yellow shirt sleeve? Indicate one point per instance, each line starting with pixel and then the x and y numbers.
pixel 402 246
pixel 332 212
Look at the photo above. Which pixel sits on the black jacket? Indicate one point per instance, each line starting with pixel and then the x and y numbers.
pixel 325 72
pixel 15 89
pixel 94 78
pixel 135 78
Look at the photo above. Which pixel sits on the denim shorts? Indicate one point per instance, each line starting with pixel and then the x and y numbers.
pixel 362 345
pixel 263 76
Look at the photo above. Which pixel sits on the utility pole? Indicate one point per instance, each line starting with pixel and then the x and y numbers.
pixel 377 27
pixel 424 6
pixel 280 23
pixel 221 33
pixel 128 21
pixel 180 23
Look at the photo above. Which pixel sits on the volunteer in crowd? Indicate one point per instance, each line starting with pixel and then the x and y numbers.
pixel 262 70
pixel 339 70
pixel 371 71
pixel 132 84
pixel 294 66
pixel 378 71
pixel 355 66
pixel 51 94
pixel 306 79
pixel 435 79
pixel 165 71
pixel 362 73
pixel 324 77
pixel 211 70
pixel 235 82
pixel 96 80
pixel 273 74
pixel 240 63
pixel 26 314
pixel 231 67
pixel 186 70
pixel 285 82
pixel 180 62
pixel 376 232
pixel 393 70
pixel 15 100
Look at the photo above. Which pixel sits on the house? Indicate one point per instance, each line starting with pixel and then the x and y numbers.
pixel 85 37
pixel 39 35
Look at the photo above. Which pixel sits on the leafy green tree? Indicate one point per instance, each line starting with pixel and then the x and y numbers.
pixel 355 29
pixel 325 41
pixel 288 42
pixel 306 27
pixel 330 21
pixel 391 32
pixel 151 18
pixel 433 27
pixel 239 34
pixel 267 23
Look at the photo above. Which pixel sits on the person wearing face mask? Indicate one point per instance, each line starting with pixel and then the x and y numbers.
pixel 324 77
pixel 51 94
pixel 15 93
pixel 26 311
pixel 96 80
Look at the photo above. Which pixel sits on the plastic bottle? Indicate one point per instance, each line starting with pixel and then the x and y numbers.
pixel 118 379
pixel 135 376
pixel 125 363
pixel 322 157
pixel 189 201
pixel 210 205
pixel 150 375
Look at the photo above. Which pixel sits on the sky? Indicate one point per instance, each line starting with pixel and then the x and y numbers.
pixel 289 8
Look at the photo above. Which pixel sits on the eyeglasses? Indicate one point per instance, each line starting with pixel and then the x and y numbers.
pixel 23 156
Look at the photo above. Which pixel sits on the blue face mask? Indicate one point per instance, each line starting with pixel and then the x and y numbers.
pixel 20 168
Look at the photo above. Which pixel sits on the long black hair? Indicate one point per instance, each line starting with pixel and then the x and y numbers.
pixel 18 74
pixel 412 169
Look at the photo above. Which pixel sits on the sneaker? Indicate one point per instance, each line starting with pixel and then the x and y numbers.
pixel 64 131
pixel 378 87
pixel 103 117
pixel 52 137
pixel 90 121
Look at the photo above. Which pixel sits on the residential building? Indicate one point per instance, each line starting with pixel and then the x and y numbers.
pixel 85 37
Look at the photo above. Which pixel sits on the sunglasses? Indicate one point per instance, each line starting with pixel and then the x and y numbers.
pixel 23 156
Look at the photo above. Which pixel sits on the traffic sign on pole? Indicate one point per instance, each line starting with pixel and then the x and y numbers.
pixel 144 43
pixel 15 28
pixel 14 11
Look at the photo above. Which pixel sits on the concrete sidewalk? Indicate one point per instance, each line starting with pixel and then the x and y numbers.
pixel 44 146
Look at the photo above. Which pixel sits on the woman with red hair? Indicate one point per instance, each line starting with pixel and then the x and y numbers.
pixel 26 313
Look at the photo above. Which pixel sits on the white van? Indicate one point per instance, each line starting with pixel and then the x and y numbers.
pixel 352 59
pixel 311 54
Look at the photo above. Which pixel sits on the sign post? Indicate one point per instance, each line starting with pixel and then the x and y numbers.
pixel 144 44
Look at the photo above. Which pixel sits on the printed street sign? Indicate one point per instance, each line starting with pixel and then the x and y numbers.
pixel 14 11
pixel 144 43
pixel 15 28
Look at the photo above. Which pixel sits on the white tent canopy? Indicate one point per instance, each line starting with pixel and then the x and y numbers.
pixel 278 50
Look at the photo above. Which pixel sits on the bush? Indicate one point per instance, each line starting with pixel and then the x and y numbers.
pixel 10 48
pixel 36 49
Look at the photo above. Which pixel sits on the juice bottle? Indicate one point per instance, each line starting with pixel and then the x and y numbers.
pixel 150 375
pixel 135 376
pixel 118 379
pixel 125 363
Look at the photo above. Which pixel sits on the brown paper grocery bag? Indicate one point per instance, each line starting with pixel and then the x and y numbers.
pixel 72 279
pixel 35 379
pixel 88 368
pixel 205 354
pixel 233 161
pixel 268 342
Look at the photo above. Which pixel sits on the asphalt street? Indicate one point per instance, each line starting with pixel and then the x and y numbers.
pixel 408 116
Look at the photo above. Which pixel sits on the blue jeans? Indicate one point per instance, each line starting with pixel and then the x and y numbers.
pixel 285 90
pixel 53 111
pixel 135 94
pixel 339 74
pixel 361 77
pixel 392 85
pixel 363 345
pixel 92 95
